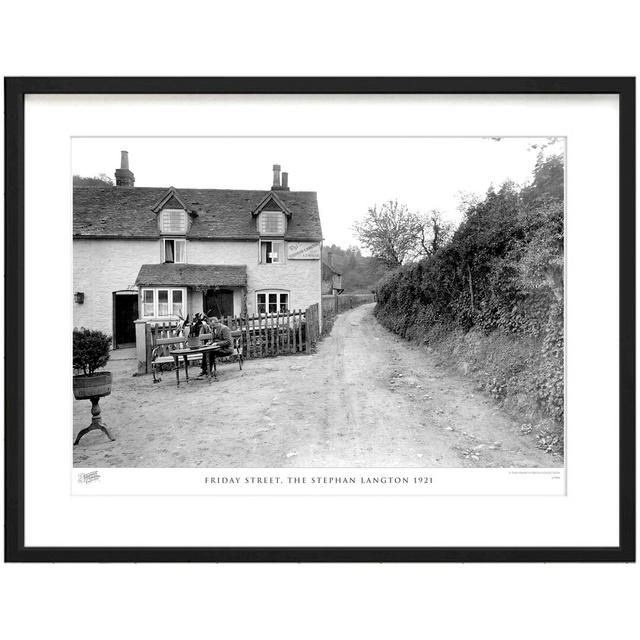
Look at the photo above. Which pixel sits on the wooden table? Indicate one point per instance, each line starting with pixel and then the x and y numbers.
pixel 185 353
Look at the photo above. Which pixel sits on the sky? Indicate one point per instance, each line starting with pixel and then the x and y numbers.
pixel 350 175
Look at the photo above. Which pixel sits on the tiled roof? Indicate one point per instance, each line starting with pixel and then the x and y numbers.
pixel 329 269
pixel 192 275
pixel 121 212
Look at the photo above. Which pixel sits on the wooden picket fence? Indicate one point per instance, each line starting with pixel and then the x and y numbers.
pixel 263 335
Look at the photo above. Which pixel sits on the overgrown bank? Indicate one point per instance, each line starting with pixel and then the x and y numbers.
pixel 490 302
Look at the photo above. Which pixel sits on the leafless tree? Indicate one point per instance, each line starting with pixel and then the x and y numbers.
pixel 396 235
pixel 390 232
pixel 435 232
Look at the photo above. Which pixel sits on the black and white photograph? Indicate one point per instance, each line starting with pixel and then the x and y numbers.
pixel 365 320
pixel 320 320
pixel 318 302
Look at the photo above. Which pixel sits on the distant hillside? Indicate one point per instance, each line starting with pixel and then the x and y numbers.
pixel 360 274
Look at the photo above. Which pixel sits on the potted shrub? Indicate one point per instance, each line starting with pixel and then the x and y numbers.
pixel 91 352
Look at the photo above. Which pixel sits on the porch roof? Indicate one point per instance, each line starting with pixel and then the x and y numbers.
pixel 196 276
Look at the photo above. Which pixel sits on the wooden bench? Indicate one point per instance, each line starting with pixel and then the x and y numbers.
pixel 161 353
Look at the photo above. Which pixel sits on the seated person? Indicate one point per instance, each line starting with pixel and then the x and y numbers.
pixel 221 334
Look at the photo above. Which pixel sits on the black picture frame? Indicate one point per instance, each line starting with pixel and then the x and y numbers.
pixel 15 91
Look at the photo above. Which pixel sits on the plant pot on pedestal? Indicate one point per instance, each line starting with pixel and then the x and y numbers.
pixel 91 351
pixel 93 388
pixel 97 385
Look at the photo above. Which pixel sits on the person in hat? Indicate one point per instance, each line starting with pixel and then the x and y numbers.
pixel 221 334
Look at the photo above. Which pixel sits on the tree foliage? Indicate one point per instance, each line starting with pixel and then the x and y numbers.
pixel 434 233
pixel 390 232
pixel 101 180
pixel 396 235
pixel 502 270
pixel 360 274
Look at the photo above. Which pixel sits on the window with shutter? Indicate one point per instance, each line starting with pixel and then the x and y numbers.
pixel 272 223
pixel 173 221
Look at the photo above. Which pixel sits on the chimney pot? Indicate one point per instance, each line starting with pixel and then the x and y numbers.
pixel 276 176
pixel 285 181
pixel 124 159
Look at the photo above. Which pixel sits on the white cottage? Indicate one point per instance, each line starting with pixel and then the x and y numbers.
pixel 157 253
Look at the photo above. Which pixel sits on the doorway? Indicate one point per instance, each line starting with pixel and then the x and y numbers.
pixel 218 302
pixel 125 313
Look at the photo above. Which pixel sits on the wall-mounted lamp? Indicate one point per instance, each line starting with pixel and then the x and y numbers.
pixel 78 296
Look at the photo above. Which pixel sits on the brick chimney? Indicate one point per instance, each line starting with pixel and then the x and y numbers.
pixel 276 177
pixel 124 177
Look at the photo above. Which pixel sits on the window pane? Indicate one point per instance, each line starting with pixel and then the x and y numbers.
pixel 176 297
pixel 273 303
pixel 272 222
pixel 147 302
pixel 163 302
pixel 173 221
pixel 265 250
pixel 168 251
pixel 262 303
pixel 284 302
pixel 180 250
pixel 276 252
pixel 271 251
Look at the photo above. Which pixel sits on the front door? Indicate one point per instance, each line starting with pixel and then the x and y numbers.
pixel 218 302
pixel 125 313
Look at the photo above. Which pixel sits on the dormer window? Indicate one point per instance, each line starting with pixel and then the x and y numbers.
pixel 271 215
pixel 272 223
pixel 173 221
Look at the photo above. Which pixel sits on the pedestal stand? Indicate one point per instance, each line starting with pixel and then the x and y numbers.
pixel 96 422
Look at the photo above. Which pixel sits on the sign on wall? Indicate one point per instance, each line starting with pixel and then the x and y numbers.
pixel 303 251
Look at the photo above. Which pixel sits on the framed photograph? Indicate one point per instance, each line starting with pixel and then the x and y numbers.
pixel 320 319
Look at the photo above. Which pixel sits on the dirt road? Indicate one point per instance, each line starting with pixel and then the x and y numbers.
pixel 365 399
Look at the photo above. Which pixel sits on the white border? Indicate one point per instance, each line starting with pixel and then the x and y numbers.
pixel 587 516
pixel 310 481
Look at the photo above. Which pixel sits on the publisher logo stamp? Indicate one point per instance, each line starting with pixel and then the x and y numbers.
pixel 87 478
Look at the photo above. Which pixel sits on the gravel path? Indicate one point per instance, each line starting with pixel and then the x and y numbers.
pixel 365 399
